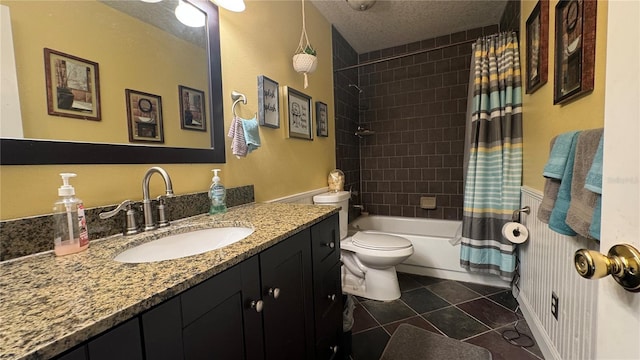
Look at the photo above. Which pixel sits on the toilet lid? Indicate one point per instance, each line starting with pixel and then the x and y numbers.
pixel 376 241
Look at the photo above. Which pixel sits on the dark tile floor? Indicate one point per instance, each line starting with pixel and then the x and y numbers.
pixel 472 313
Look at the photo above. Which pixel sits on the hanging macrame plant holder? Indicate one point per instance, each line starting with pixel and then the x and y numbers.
pixel 305 60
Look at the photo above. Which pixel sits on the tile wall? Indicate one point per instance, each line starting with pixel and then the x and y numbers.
pixel 416 105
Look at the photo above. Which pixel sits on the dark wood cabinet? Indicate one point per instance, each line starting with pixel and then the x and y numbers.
pixel 284 303
pixel 325 246
pixel 288 299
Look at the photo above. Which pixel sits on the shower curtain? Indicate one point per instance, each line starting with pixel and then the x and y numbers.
pixel 494 173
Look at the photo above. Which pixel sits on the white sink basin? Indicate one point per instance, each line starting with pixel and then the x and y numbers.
pixel 182 245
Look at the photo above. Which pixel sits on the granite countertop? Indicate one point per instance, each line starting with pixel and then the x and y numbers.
pixel 49 304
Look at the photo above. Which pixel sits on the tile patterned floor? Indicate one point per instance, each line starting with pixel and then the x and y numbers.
pixel 472 313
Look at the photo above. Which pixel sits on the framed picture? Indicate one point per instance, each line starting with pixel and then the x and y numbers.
pixel 144 114
pixel 192 116
pixel 73 87
pixel 537 46
pixel 322 119
pixel 268 102
pixel 299 114
pixel 575 49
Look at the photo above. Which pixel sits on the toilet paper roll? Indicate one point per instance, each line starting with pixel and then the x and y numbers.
pixel 515 232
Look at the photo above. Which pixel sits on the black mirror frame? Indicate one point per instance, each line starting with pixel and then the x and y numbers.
pixel 51 152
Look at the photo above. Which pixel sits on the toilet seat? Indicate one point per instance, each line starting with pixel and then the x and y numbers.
pixel 378 241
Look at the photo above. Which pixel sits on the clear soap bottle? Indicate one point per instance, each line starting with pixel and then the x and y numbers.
pixel 70 234
pixel 217 194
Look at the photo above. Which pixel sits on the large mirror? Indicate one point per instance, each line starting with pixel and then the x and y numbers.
pixel 33 150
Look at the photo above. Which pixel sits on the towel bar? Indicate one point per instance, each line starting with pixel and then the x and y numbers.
pixel 237 97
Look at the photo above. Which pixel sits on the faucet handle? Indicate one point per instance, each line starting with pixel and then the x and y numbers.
pixel 127 206
pixel 162 218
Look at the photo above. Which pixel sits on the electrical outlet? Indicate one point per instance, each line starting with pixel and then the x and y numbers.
pixel 554 305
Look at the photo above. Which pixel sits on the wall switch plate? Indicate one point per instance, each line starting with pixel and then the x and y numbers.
pixel 428 202
pixel 554 305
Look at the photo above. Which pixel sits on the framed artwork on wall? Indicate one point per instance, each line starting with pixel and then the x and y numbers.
pixel 299 114
pixel 322 119
pixel 268 102
pixel 144 116
pixel 192 115
pixel 575 50
pixel 537 46
pixel 73 86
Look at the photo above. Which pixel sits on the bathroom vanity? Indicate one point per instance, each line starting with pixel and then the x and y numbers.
pixel 274 295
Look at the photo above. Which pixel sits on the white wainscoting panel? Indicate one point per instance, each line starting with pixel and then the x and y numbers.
pixel 546 266
pixel 300 198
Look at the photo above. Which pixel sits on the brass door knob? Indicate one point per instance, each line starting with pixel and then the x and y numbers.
pixel 622 262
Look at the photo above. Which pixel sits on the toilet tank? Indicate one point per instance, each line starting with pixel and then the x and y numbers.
pixel 340 198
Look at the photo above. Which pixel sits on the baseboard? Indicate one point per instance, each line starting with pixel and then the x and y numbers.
pixel 476 278
pixel 543 340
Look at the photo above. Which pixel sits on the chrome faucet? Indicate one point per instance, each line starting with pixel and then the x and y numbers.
pixel 146 201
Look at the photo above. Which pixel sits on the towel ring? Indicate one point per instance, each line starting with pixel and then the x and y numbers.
pixel 237 97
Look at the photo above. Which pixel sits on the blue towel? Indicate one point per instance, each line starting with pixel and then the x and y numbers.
pixel 251 134
pixel 594 183
pixel 561 207
pixel 560 153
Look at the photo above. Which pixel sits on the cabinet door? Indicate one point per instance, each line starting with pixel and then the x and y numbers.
pixel 121 342
pixel 288 316
pixel 328 314
pixel 79 353
pixel 217 314
pixel 162 329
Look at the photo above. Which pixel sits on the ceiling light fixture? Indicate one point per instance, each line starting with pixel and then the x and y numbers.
pixel 360 5
pixel 231 5
pixel 189 14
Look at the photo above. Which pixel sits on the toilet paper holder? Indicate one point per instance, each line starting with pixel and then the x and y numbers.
pixel 622 262
pixel 516 213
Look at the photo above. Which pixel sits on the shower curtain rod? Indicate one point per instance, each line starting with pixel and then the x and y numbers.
pixel 404 55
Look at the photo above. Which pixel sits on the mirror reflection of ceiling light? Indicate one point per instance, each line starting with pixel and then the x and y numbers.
pixel 189 15
pixel 361 5
pixel 231 5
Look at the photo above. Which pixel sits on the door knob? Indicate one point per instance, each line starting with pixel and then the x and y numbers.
pixel 622 262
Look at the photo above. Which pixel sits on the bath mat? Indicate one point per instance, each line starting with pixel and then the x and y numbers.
pixel 409 342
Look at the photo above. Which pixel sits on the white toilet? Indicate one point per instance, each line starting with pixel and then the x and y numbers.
pixel 369 259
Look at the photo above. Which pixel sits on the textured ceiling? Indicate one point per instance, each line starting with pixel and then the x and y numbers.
pixel 392 23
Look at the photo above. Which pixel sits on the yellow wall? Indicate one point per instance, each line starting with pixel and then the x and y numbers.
pixel 145 61
pixel 543 120
pixel 259 41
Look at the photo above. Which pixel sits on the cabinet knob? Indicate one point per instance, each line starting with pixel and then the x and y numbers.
pixel 331 297
pixel 274 292
pixel 334 351
pixel 257 305
pixel 330 244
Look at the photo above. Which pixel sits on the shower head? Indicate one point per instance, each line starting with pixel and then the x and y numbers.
pixel 357 87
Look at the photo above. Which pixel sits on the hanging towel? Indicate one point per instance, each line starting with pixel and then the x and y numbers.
pixel 251 134
pixel 557 220
pixel 583 201
pixel 559 155
pixel 236 133
pixel 594 183
pixel 549 195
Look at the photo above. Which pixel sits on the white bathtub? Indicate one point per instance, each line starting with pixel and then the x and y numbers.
pixel 433 253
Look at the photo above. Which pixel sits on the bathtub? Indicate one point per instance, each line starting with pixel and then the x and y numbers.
pixel 433 253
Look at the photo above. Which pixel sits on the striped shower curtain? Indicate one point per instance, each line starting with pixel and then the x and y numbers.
pixel 494 174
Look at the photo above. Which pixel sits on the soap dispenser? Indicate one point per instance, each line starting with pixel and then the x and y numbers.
pixel 70 233
pixel 217 194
